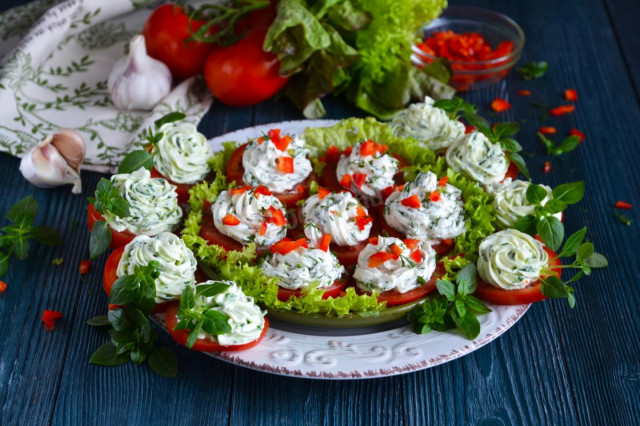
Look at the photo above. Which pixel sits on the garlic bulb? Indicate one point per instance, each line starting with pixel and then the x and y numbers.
pixel 55 161
pixel 138 81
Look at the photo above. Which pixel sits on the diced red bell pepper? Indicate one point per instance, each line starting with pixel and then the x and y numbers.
pixel 346 180
pixel 443 181
pixel 48 318
pixel 379 258
pixel 499 105
pixel 578 133
pixel 373 241
pixel 325 242
pixel 84 267
pixel 263 228
pixel 285 245
pixel 348 150
pixel 435 196
pixel 412 202
pixel 524 92
pixel 362 222
pixel 368 148
pixel 262 190
pixel 238 190
pixel 282 143
pixel 276 216
pixel 623 205
pixel 360 211
pixel 562 110
pixel 230 220
pixel 323 192
pixel 416 256
pixel 571 95
pixel 359 179
pixel 395 251
pixel 412 244
pixel 547 130
pixel 3 286
pixel 274 134
pixel 547 167
pixel 285 164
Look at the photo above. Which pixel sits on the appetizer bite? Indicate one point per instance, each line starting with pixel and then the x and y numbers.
pixel 478 158
pixel 428 209
pixel 134 204
pixel 299 267
pixel 278 162
pixel 511 204
pixel 427 124
pixel 218 317
pixel 176 265
pixel 244 215
pixel 402 271
pixel 341 216
pixel 181 156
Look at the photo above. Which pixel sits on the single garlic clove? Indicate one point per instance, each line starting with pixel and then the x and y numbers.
pixel 138 81
pixel 55 161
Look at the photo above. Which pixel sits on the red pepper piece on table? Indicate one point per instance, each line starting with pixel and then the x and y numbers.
pixel 547 130
pixel 48 318
pixel 499 105
pixel 578 133
pixel 562 110
pixel 623 205
pixel 571 95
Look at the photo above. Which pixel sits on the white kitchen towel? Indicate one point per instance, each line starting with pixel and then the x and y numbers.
pixel 55 59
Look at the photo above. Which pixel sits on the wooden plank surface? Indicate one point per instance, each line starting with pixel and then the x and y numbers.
pixel 556 366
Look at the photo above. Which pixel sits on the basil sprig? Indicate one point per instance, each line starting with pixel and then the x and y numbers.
pixel 586 259
pixel 196 315
pixel 107 199
pixel 132 338
pixel 15 238
pixel 532 70
pixel 455 107
pixel 567 145
pixel 454 307
pixel 141 157
pixel 501 133
pixel 542 222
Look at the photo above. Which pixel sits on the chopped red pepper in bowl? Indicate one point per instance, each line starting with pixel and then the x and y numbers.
pixel 481 45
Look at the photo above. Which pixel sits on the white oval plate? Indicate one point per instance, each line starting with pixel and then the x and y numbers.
pixel 360 353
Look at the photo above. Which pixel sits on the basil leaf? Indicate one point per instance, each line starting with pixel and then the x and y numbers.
pixel 467 324
pixel 193 334
pixel 215 322
pixel 551 232
pixel 4 263
pixel 187 300
pixel 210 290
pixel 169 118
pixel 119 320
pixel 163 361
pixel 467 279
pixel 123 290
pixel 506 129
pixel 106 355
pixel 24 220
pixel 47 235
pixel 510 145
pixel 569 193
pixel 554 288
pixel 597 260
pixel 527 224
pixel 519 162
pixel 475 305
pixel 554 206
pixel 120 207
pixel 461 309
pixel 21 247
pixel 99 321
pixel 535 194
pixel 100 239
pixel 571 245
pixel 532 70
pixel 446 289
pixel 584 251
pixel 27 205
pixel 478 122
pixel 569 144
pixel 136 160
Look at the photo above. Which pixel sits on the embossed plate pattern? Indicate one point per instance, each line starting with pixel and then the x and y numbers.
pixel 361 353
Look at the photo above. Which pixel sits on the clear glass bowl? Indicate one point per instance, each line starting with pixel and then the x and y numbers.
pixel 495 27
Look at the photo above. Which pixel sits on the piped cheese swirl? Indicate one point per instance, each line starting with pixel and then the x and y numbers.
pixel 153 204
pixel 429 125
pixel 335 214
pixel 260 165
pixel 303 267
pixel 177 263
pixel 251 209
pixel 478 158
pixel 511 260
pixel 380 168
pixel 182 153
pixel 510 201
pixel 245 318
pixel 433 220
pixel 401 274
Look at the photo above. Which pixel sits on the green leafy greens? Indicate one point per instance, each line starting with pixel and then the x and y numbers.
pixel 567 145
pixel 532 70
pixel 15 238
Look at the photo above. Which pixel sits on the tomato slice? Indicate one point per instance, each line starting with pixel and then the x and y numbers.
pixel 235 171
pixel 333 290
pixel 512 171
pixel 204 345
pixel 182 189
pixel 209 232
pixel 118 239
pixel 110 276
pixel 394 298
pixel 530 294
pixel 441 249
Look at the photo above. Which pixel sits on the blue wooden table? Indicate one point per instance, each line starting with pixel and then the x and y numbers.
pixel 555 366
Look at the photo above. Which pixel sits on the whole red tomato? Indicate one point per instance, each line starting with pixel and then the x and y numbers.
pixel 166 32
pixel 244 74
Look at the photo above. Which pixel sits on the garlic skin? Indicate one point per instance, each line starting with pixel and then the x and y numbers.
pixel 137 81
pixel 55 161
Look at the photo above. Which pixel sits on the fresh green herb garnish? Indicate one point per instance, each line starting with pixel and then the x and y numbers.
pixel 454 307
pixel 143 158
pixel 107 199
pixel 57 261
pixel 455 107
pixel 532 70
pixel 623 219
pixel 567 145
pixel 15 238
pixel 585 260
pixel 196 316
pixel 131 335
pixel 501 134
pixel 542 222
